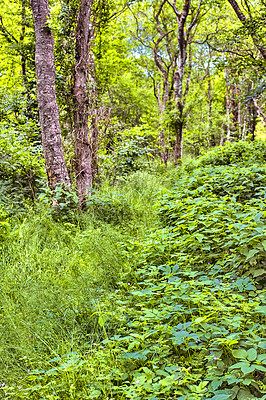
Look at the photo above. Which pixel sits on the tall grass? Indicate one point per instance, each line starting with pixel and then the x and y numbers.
pixel 54 275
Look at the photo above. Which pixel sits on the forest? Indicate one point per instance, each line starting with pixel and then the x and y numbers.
pixel 133 199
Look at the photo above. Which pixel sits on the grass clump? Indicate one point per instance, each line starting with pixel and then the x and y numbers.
pixel 56 271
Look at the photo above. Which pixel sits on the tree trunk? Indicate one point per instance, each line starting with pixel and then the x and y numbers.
pixel 164 155
pixel 22 37
pixel 237 10
pixel 228 107
pixel 183 36
pixel 48 109
pixel 260 112
pixel 83 156
pixel 178 150
pixel 234 109
pixel 210 134
pixel 252 120
pixel 179 105
pixel 162 105
pixel 93 110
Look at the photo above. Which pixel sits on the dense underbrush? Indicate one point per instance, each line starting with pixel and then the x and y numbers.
pixel 149 296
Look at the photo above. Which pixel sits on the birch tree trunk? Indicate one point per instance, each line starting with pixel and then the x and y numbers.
pixel 48 109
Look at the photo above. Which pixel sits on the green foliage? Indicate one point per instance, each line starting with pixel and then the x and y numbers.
pixel 195 311
pixel 4 225
pixel 54 277
pixel 109 208
pixel 129 151
pixel 167 304
pixel 233 153
pixel 21 169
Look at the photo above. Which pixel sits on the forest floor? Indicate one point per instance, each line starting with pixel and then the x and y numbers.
pixel 156 292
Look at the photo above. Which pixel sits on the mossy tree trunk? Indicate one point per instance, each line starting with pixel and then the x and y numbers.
pixel 84 151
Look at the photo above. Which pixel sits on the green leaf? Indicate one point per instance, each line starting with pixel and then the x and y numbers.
pixel 261 368
pixel 264 244
pixel 161 372
pixel 95 394
pixel 252 253
pixel 221 397
pixel 248 370
pixel 251 354
pixel 262 357
pixel 239 353
pixel 200 237
pixel 102 319
pixel 259 272
pixel 245 394
pixel 242 364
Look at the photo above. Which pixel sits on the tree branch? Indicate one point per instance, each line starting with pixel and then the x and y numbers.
pixel 9 37
pixel 194 20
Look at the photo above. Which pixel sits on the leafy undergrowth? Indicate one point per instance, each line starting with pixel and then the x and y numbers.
pixel 56 267
pixel 183 315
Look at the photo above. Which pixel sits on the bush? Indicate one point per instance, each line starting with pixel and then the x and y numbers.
pixel 132 150
pixel 232 153
pixel 22 173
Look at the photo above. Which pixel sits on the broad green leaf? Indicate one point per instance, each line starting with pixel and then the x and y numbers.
pixel 221 397
pixel 245 394
pixel 102 319
pixel 258 272
pixel 252 253
pixel 247 370
pixel 242 364
pixel 262 358
pixel 239 353
pixel 161 372
pixel 251 354
pixel 264 244
pixel 261 368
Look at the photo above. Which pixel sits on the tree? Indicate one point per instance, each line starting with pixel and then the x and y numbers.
pixel 170 38
pixel 56 170
pixel 252 28
pixel 83 149
pixel 184 36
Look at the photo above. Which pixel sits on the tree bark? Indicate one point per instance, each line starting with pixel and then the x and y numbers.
pixel 260 112
pixel 234 109
pixel 237 10
pixel 184 34
pixel 228 108
pixel 93 110
pixel 178 81
pixel 163 96
pixel 22 36
pixel 83 153
pixel 178 150
pixel 48 109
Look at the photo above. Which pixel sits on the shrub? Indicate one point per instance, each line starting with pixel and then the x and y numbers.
pixel 232 153
pixel 22 173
